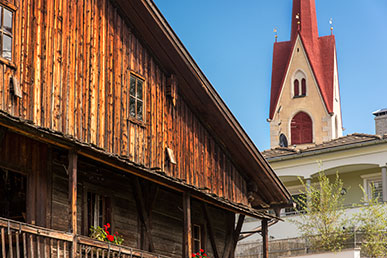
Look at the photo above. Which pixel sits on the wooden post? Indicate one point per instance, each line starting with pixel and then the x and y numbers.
pixel 72 170
pixel 187 227
pixel 265 240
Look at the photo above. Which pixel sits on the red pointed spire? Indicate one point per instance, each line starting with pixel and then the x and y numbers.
pixel 304 20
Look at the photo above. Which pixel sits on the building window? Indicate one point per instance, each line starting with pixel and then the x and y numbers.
pixel 373 186
pixel 296 88
pixel 197 238
pixel 283 141
pixel 303 87
pixel 13 188
pixel 299 85
pixel 98 210
pixel 301 129
pixel 136 98
pixel 6 32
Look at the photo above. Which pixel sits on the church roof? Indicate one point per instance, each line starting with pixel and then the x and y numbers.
pixel 352 140
pixel 320 53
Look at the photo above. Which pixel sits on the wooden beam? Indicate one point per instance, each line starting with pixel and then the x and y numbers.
pixel 265 240
pixel 210 230
pixel 236 233
pixel 140 203
pixel 187 227
pixel 233 237
pixel 72 170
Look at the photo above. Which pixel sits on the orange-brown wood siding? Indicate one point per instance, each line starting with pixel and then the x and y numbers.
pixel 73 61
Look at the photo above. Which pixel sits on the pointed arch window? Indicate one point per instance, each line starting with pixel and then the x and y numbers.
pixel 299 84
pixel 303 87
pixel 296 88
pixel 301 129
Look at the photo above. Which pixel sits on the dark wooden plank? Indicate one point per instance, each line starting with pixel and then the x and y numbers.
pixel 143 214
pixel 187 227
pixel 210 230
pixel 72 170
pixel 265 239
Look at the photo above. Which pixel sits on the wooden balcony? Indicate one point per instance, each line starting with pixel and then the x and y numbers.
pixel 25 240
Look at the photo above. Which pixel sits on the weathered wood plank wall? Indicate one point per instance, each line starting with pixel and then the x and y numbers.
pixel 74 60
pixel 31 158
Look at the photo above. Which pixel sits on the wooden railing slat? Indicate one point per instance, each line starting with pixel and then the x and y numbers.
pixel 31 250
pixel 64 249
pixel 17 244
pixel 3 242
pixel 40 242
pixel 37 230
pixel 57 249
pixel 10 251
pixel 24 245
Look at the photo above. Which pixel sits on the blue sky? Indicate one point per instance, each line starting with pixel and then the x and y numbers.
pixel 232 42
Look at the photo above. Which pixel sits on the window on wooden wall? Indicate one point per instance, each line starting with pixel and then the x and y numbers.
pixel 13 189
pixel 98 211
pixel 301 129
pixel 6 31
pixel 197 238
pixel 136 98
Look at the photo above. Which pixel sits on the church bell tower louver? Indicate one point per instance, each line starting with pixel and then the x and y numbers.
pixel 305 104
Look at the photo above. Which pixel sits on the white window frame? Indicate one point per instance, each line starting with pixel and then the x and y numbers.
pixel 367 180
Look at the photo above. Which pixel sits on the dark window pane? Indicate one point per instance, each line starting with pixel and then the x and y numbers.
pixel 7 47
pixel 139 110
pixel 196 232
pixel 139 89
pixel 7 20
pixel 132 107
pixel 132 89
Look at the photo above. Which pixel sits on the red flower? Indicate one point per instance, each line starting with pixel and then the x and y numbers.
pixel 108 225
pixel 193 255
pixel 110 238
pixel 205 254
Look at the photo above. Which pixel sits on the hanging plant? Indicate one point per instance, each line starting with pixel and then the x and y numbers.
pixel 104 234
pixel 200 254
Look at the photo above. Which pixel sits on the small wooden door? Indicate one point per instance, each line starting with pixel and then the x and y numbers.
pixel 301 129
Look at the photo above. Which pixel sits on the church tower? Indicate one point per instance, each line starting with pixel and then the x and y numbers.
pixel 305 97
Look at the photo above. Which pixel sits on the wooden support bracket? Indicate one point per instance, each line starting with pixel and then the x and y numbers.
pixel 210 230
pixel 143 214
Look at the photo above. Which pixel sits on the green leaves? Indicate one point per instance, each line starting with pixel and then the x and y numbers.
pixel 371 221
pixel 323 223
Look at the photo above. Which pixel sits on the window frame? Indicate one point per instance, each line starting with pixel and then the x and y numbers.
pixel 13 9
pixel 135 119
pixel 107 213
pixel 367 180
pixel 201 239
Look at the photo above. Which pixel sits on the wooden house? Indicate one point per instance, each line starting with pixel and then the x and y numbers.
pixel 106 118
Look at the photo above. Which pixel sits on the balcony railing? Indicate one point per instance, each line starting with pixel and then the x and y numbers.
pixel 24 240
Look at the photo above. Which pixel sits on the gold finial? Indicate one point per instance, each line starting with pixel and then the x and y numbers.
pixel 331 23
pixel 298 18
pixel 275 34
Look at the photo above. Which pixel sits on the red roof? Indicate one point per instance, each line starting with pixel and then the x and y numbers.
pixel 320 52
